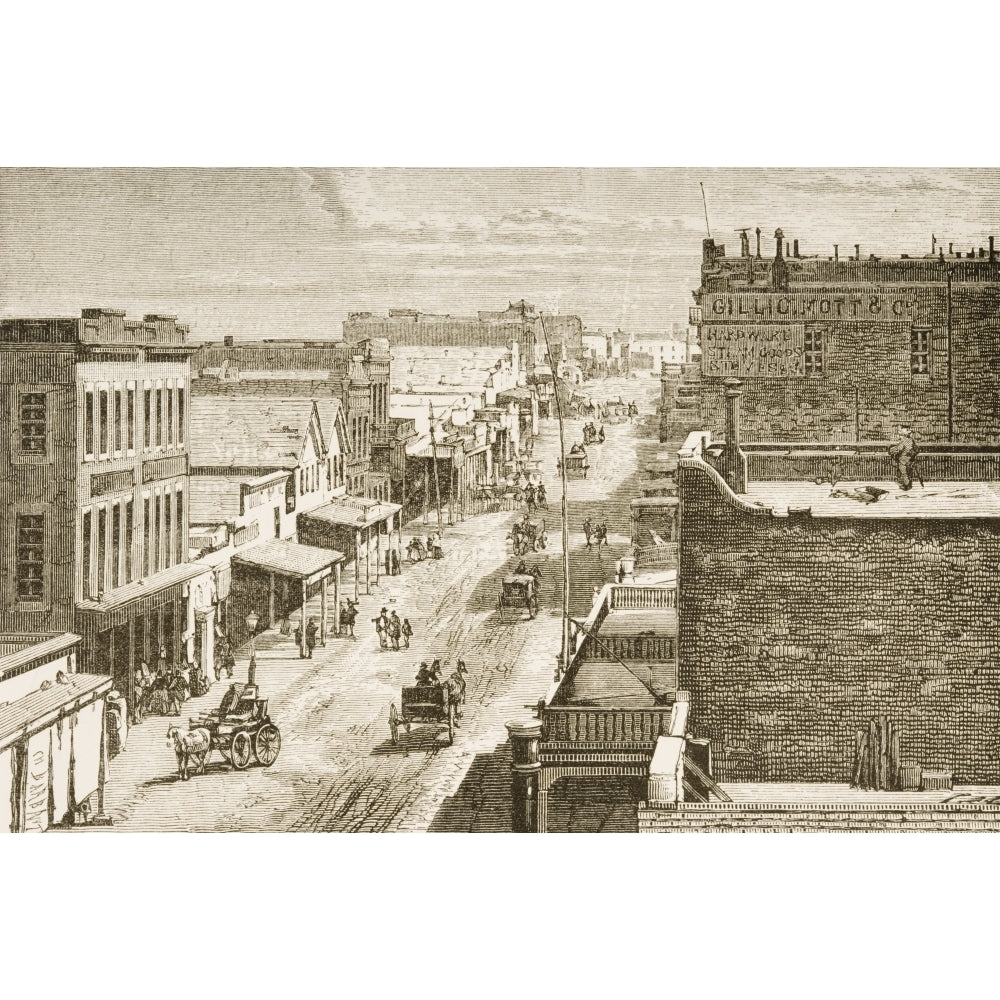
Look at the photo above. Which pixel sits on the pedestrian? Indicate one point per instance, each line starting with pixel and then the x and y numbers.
pixel 395 630
pixel 438 552
pixel 395 562
pixel 904 453
pixel 311 629
pixel 382 628
pixel 162 669
pixel 298 640
pixel 407 631
pixel 348 615
pixel 388 562
pixel 141 683
pixel 588 530
pixel 619 571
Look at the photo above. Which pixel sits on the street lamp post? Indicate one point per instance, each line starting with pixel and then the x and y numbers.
pixel 252 620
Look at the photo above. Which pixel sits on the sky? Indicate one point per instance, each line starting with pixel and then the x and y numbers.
pixel 289 252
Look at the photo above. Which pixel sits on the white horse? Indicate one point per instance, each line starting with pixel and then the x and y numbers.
pixel 191 746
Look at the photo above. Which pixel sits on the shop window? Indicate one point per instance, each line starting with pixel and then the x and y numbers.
pixel 920 350
pixel 88 422
pixel 130 419
pixel 32 419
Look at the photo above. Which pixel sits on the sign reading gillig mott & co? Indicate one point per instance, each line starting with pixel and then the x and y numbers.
pixel 859 304
pixel 758 351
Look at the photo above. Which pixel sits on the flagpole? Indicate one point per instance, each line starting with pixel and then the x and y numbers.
pixel 434 452
pixel 564 656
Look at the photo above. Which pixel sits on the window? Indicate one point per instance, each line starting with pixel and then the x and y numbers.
pixel 159 418
pixel 88 422
pixel 85 543
pixel 102 403
pixel 30 557
pixel 920 350
pixel 154 559
pixel 32 416
pixel 146 521
pixel 129 538
pixel 116 545
pixel 170 415
pixel 118 420
pixel 130 419
pixel 179 535
pixel 180 414
pixel 102 546
pixel 168 538
pixel 147 416
pixel 813 352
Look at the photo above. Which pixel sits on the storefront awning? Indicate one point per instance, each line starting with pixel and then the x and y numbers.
pixel 141 589
pixel 356 513
pixel 40 708
pixel 286 558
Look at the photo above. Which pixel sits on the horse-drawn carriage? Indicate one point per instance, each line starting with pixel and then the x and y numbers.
pixel 576 465
pixel 427 704
pixel 239 729
pixel 518 593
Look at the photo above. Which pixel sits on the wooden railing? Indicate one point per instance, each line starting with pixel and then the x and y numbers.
pixel 644 649
pixel 625 597
pixel 586 724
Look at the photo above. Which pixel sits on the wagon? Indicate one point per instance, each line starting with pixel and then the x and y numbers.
pixel 518 593
pixel 427 704
pixel 575 465
pixel 240 728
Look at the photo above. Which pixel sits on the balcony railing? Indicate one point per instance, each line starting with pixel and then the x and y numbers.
pixel 655 555
pixel 629 598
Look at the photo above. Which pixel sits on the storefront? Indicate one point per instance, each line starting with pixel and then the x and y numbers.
pixel 275 580
pixel 365 531
pixel 134 623
pixel 53 739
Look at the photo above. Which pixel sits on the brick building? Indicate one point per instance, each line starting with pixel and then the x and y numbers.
pixel 805 610
pixel 94 502
pixel 842 348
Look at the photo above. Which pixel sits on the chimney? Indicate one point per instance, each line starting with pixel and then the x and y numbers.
pixel 733 461
pixel 951 249
pixel 758 243
pixel 857 251
pixel 779 271
pixel 795 248
pixel 227 341
pixel 993 255
pixel 788 252
pixel 836 253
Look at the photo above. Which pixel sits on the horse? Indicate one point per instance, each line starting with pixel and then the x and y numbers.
pixel 456 685
pixel 193 745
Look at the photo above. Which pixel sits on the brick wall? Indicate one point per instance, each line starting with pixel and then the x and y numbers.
pixel 793 632
pixel 867 390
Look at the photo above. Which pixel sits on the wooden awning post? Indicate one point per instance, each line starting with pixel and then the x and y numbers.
pixel 357 565
pixel 336 596
pixel 302 621
pixel 322 610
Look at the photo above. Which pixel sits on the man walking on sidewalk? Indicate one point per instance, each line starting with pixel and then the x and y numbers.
pixel 382 628
pixel 311 629
pixel 395 630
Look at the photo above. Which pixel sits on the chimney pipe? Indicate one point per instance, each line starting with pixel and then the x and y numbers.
pixel 795 248
pixel 758 243
pixel 993 255
pixel 227 341
pixel 788 252
pixel 836 253
pixel 734 462
pixel 951 249
pixel 779 236
pixel 857 251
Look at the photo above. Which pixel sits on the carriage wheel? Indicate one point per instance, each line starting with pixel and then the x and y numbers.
pixel 241 750
pixel 267 744
pixel 451 723
pixel 393 724
pixel 532 607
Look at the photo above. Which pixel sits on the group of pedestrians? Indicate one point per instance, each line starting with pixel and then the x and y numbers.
pixel 598 533
pixel 390 629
